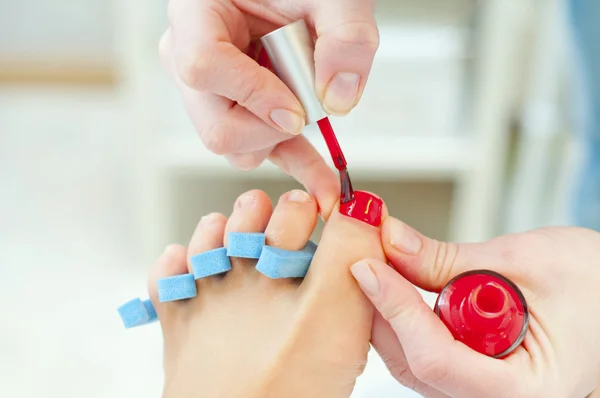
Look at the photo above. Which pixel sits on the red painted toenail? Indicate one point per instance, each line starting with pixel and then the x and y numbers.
pixel 365 207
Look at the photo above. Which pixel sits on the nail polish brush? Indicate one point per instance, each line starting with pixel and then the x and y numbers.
pixel 482 309
pixel 290 51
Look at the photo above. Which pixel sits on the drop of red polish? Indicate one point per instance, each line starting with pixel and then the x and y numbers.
pixel 485 311
pixel 365 207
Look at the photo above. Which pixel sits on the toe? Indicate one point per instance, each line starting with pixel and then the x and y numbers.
pixel 206 255
pixel 251 213
pixel 171 263
pixel 288 232
pixel 345 241
pixel 293 221
pixel 207 236
pixel 348 238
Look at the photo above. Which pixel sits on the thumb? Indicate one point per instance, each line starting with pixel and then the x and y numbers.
pixel 432 354
pixel 431 264
pixel 347 39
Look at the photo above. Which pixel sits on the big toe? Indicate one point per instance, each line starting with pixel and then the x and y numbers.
pixel 351 234
pixel 333 299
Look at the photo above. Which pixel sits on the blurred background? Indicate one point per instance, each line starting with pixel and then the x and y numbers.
pixel 484 112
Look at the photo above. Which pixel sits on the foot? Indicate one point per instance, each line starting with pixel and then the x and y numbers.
pixel 245 335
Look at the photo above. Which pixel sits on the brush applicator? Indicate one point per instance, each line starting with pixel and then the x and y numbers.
pixel 290 51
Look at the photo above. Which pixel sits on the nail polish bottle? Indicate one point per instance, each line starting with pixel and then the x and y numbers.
pixel 485 311
pixel 290 55
pixel 290 51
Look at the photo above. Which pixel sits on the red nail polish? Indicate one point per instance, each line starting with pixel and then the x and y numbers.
pixel 365 207
pixel 485 311
pixel 263 60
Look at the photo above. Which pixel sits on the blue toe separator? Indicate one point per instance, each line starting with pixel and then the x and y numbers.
pixel 179 287
pixel 272 262
pixel 152 317
pixel 245 244
pixel 212 262
pixel 137 313
pixel 278 263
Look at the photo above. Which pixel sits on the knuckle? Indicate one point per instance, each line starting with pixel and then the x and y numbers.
pixel 217 139
pixel 392 312
pixel 249 89
pixel 443 262
pixel 195 69
pixel 429 369
pixel 246 161
pixel 401 372
pixel 517 250
pixel 362 34
pixel 405 317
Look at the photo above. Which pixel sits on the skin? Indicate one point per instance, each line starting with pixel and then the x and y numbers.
pixel 310 337
pixel 242 110
pixel 557 269
pixel 236 107
pixel 279 337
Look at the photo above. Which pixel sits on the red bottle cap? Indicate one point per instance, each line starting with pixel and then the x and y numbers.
pixel 485 311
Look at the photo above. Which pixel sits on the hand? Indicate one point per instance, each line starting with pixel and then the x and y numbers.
pixel 242 110
pixel 558 270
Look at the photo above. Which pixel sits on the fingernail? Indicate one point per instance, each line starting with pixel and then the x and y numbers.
pixel 246 201
pixel 340 95
pixel 403 237
pixel 298 196
pixel 365 277
pixel 289 121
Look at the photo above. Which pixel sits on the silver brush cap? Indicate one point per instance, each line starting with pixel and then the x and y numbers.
pixel 291 51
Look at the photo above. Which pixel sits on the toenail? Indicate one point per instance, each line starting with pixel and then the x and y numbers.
pixel 246 200
pixel 170 250
pixel 209 219
pixel 298 196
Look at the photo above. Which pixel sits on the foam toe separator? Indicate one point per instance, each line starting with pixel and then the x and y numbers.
pixel 133 313
pixel 278 263
pixel 212 262
pixel 150 310
pixel 179 287
pixel 245 244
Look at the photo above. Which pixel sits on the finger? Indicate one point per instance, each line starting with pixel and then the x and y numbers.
pixel 224 128
pixel 433 355
pixel 347 41
pixel 388 347
pixel 298 158
pixel 207 39
pixel 249 161
pixel 431 264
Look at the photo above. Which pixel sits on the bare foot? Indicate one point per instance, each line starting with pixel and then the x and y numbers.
pixel 246 335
